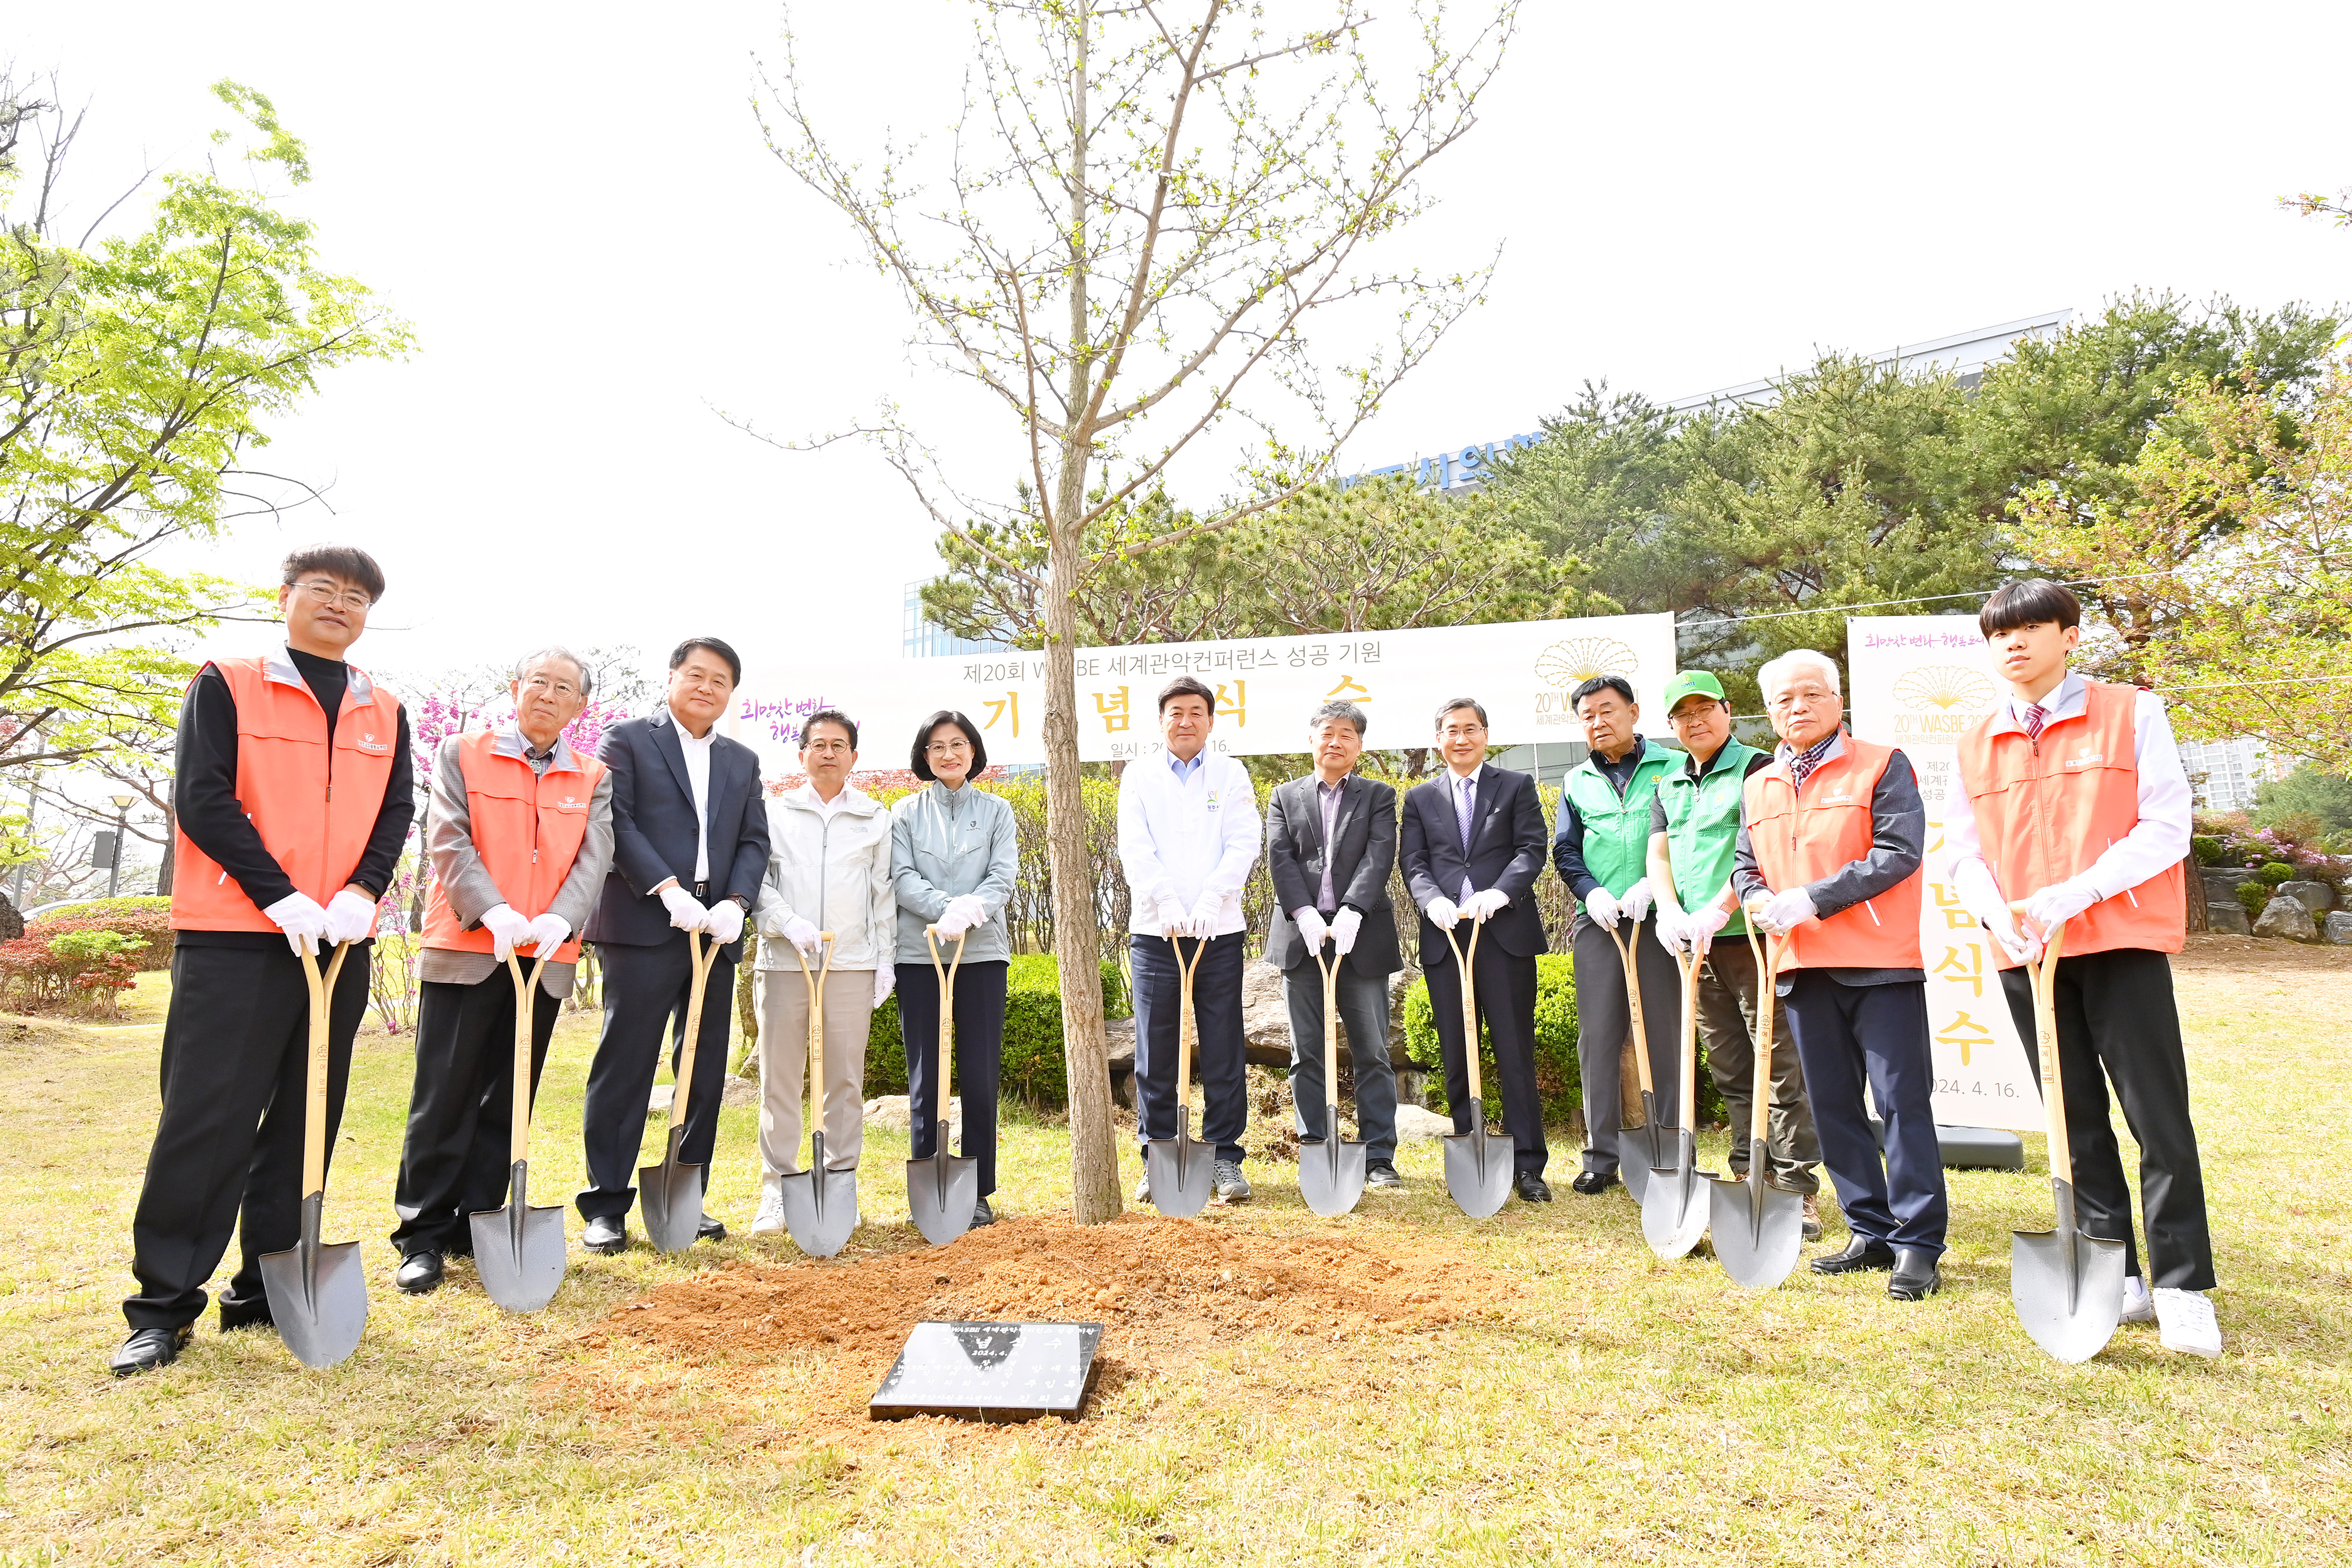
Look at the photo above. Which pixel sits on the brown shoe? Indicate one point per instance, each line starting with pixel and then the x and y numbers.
pixel 1812 1219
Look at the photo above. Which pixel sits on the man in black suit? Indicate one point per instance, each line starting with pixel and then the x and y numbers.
pixel 1472 845
pixel 690 847
pixel 1330 842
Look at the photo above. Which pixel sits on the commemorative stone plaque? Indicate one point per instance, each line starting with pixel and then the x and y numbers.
pixel 990 1371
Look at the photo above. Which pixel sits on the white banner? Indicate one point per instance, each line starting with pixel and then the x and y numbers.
pixel 1521 671
pixel 1918 681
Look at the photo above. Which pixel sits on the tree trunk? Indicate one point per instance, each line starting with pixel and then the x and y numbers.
pixel 171 852
pixel 2193 895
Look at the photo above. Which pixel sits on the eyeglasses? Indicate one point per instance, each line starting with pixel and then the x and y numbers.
pixel 1802 697
pixel 1461 732
pixel 827 746
pixel 946 748
pixel 327 593
pixel 541 685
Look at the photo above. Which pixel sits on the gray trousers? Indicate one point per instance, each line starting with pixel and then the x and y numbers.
pixel 1605 1026
pixel 1726 1024
pixel 1363 1008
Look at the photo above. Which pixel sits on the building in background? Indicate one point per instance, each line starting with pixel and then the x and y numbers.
pixel 2224 774
pixel 926 638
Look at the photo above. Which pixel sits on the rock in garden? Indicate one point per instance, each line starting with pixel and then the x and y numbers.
pixel 1265 1016
pixel 2285 916
pixel 2230 917
pixel 894 1113
pixel 2316 896
pixel 739 1092
pixel 1415 1125
pixel 2221 882
pixel 2339 927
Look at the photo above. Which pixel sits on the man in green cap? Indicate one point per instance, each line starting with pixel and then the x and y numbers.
pixel 1694 826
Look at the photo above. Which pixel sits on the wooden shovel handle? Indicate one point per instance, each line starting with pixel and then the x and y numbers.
pixel 1462 959
pixel 1768 980
pixel 519 1123
pixel 2044 974
pixel 681 1092
pixel 1689 964
pixel 947 1010
pixel 1626 954
pixel 1330 1036
pixel 314 1116
pixel 814 980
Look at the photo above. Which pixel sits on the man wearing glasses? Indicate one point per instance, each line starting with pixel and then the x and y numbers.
pixel 1832 836
pixel 292 799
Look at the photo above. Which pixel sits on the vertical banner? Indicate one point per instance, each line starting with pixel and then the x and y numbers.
pixel 1918 682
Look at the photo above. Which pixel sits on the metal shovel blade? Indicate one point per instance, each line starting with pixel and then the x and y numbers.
pixel 1478 1171
pixel 1759 1230
pixel 518 1250
pixel 1641 1150
pixel 1181 1172
pixel 1330 1174
pixel 2068 1288
pixel 669 1194
pixel 1674 1205
pixel 318 1294
pixel 821 1204
pixel 942 1191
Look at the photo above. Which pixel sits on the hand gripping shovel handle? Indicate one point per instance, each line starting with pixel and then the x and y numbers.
pixel 1625 952
pixel 519 1133
pixel 1462 958
pixel 1769 955
pixel 1186 1031
pixel 947 974
pixel 814 980
pixel 314 1117
pixel 2043 973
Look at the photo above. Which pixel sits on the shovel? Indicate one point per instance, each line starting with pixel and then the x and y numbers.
pixel 1759 1228
pixel 1180 1170
pixel 318 1296
pixel 1330 1172
pixel 1674 1206
pixel 1649 1149
pixel 1477 1172
pixel 944 1190
pixel 820 1203
pixel 518 1250
pixel 671 1194
pixel 2068 1288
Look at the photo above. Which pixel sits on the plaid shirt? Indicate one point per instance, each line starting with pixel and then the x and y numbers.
pixel 1802 764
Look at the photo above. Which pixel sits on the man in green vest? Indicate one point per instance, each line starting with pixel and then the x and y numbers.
pixel 1599 849
pixel 1694 827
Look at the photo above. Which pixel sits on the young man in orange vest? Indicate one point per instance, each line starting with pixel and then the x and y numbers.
pixel 520 835
pixel 293 796
pixel 1832 834
pixel 2071 796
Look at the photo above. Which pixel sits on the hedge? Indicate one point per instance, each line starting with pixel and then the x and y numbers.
pixel 1034 1067
pixel 105 908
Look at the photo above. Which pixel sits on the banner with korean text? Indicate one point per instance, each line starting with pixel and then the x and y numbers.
pixel 1918 682
pixel 1265 686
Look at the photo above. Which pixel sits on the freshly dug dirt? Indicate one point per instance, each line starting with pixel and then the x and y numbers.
pixel 1165 1291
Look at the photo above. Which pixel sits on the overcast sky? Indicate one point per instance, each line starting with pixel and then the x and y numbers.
pixel 573 205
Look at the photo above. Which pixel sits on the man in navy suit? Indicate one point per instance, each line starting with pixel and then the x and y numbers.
pixel 690 847
pixel 1473 844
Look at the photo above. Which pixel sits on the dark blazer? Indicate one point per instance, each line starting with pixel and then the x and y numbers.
pixel 1506 851
pixel 654 829
pixel 1363 855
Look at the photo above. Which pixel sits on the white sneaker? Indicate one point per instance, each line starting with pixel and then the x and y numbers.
pixel 2139 1307
pixel 771 1217
pixel 2188 1322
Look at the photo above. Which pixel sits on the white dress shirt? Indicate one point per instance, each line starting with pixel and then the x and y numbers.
pixel 1186 829
pixel 698 775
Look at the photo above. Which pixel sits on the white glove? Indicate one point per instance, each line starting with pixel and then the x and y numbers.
pixel 2059 901
pixel 886 979
pixel 1601 907
pixel 1699 925
pixel 1972 883
pixel 953 922
pixel 1208 912
pixel 298 915
pixel 802 934
pixel 969 910
pixel 548 932
pixel 1312 928
pixel 1787 910
pixel 1344 926
pixel 1442 912
pixel 724 921
pixel 1485 904
pixel 507 925
pixel 1174 921
pixel 350 917
pixel 1672 930
pixel 685 913
pixel 1634 903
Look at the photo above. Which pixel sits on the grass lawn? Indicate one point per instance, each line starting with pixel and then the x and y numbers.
pixel 1610 1408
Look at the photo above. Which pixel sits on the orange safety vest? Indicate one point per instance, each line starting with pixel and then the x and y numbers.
pixel 2047 808
pixel 527 829
pixel 314 805
pixel 1800 837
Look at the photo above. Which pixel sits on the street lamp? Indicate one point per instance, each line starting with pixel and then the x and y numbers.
pixel 122 804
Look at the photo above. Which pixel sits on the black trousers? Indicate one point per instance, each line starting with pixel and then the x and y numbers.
pixel 1848 1036
pixel 1505 1001
pixel 1219 1061
pixel 456 1158
pixel 979 1053
pixel 228 1145
pixel 645 1002
pixel 2118 1022
pixel 1604 1031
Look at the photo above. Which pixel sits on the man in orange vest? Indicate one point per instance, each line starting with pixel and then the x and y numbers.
pixel 293 796
pixel 521 836
pixel 2071 796
pixel 1832 834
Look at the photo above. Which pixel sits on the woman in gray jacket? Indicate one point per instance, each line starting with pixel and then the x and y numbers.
pixel 953 862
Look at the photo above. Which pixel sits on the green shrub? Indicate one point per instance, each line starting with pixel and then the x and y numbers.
pixel 2275 873
pixel 2255 897
pixel 148 929
pixel 104 908
pixel 1033 1068
pixel 2206 847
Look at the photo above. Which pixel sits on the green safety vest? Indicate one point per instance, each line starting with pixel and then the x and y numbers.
pixel 1616 845
pixel 1703 826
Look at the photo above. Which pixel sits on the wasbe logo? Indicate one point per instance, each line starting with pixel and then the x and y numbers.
pixel 368 742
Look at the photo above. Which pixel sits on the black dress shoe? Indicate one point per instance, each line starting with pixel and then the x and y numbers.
pixel 1916 1276
pixel 1530 1188
pixel 419 1274
pixel 606 1233
pixel 148 1349
pixel 709 1230
pixel 1591 1184
pixel 1859 1254
pixel 1382 1176
pixel 982 1215
pixel 253 1314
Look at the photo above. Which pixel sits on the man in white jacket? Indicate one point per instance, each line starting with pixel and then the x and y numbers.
pixel 828 870
pixel 1188 834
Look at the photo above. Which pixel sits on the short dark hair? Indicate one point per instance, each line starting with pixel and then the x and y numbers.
pixel 919 760
pixel 1452 704
pixel 1597 684
pixel 1340 709
pixel 734 666
pixel 2015 604
pixel 349 562
pixel 1186 687
pixel 829 716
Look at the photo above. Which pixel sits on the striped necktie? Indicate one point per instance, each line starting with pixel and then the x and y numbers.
pixel 2033 717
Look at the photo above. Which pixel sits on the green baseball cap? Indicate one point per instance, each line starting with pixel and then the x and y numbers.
pixel 1693 683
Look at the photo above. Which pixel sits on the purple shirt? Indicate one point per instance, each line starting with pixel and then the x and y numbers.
pixel 1328 797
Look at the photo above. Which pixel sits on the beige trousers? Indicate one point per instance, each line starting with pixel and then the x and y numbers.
pixel 781 996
